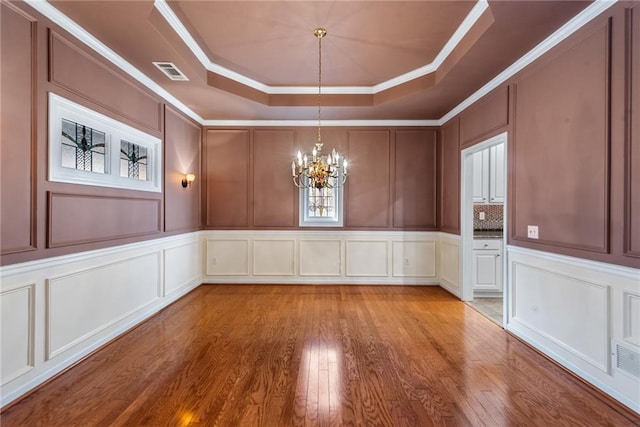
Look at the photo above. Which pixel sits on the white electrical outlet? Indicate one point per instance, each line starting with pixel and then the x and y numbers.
pixel 406 262
pixel 532 231
pixel 481 215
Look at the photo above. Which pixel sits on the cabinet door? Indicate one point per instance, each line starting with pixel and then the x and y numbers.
pixel 496 174
pixel 487 271
pixel 481 176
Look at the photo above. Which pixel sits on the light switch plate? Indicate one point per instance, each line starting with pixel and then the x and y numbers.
pixel 481 216
pixel 532 231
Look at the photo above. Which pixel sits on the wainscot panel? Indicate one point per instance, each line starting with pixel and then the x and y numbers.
pixel 182 266
pixel 227 256
pixel 58 310
pixel 312 256
pixel 274 257
pixel 367 258
pixel 330 251
pixel 414 259
pixel 16 306
pixel 578 313
pixel 84 302
pixel 449 263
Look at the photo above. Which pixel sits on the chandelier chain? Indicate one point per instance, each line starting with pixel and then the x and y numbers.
pixel 319 87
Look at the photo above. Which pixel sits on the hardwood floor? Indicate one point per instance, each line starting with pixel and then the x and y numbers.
pixel 269 355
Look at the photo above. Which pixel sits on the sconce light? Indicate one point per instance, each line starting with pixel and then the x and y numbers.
pixel 188 179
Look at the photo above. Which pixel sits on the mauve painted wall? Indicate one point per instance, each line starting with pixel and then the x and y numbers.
pixel 182 142
pixel 17 136
pixel 273 190
pixel 248 178
pixel 450 177
pixel 573 160
pixel 632 135
pixel 226 175
pixel 41 218
pixel 415 196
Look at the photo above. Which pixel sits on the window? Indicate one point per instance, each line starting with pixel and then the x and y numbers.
pixel 86 147
pixel 321 207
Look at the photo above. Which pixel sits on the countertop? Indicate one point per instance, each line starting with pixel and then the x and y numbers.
pixel 487 234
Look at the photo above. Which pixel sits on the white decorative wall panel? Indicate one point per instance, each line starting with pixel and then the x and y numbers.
pixel 327 256
pixel 320 257
pixel 71 305
pixel 574 313
pixel 631 318
pixel 228 257
pixel 274 257
pixel 367 258
pixel 182 266
pixel 573 310
pixel 414 258
pixel 82 303
pixel 16 331
pixel 449 264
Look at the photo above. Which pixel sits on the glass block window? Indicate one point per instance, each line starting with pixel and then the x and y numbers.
pixel 89 148
pixel 321 207
pixel 133 161
pixel 83 148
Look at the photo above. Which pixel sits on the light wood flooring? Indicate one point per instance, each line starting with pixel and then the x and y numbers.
pixel 230 355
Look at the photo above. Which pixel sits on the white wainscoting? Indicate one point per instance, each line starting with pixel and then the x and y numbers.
pixel 449 263
pixel 576 311
pixel 56 311
pixel 309 256
pixel 16 306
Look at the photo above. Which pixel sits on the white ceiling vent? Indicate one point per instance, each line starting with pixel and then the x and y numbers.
pixel 171 71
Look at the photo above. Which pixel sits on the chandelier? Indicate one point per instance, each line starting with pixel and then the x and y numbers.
pixel 316 170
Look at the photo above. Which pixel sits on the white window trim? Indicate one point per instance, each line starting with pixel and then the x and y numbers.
pixel 329 221
pixel 115 131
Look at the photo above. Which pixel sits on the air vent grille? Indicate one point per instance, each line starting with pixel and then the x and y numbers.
pixel 627 360
pixel 171 71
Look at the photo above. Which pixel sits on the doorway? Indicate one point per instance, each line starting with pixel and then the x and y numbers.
pixel 483 225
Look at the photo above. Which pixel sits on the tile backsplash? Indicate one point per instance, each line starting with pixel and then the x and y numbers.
pixel 492 217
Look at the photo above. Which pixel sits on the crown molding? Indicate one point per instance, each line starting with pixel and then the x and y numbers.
pixel 45 8
pixel 577 22
pixel 325 123
pixel 573 25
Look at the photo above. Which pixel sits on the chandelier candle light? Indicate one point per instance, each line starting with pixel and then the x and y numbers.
pixel 317 170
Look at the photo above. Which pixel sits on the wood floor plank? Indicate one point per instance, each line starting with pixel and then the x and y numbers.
pixel 269 355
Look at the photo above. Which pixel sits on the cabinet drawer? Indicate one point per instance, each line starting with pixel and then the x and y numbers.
pixel 488 244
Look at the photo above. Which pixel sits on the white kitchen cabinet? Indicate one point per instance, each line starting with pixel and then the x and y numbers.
pixel 481 176
pixel 487 266
pixel 488 175
pixel 496 174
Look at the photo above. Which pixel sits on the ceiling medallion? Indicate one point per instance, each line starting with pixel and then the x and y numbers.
pixel 316 170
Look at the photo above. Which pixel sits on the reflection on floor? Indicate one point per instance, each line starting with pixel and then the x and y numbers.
pixel 490 307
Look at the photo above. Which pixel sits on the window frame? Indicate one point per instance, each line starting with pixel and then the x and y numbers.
pixel 115 131
pixel 335 220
